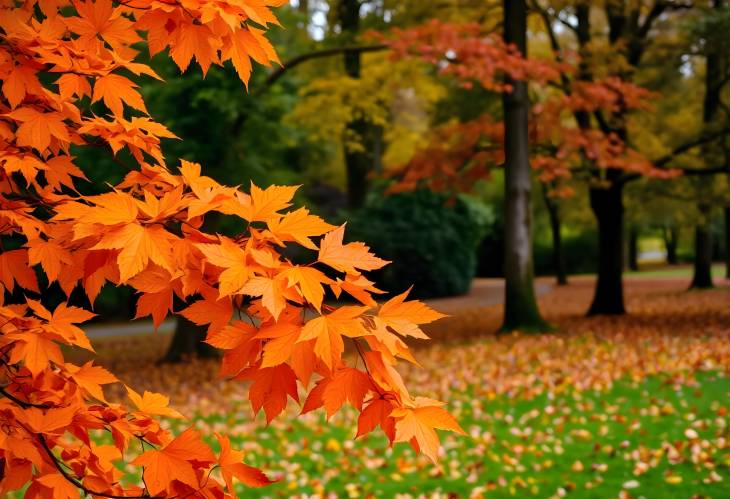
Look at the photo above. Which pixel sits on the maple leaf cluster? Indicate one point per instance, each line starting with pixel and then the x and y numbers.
pixel 458 154
pixel 67 70
pixel 467 53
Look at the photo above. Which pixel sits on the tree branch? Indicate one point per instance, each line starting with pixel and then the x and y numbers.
pixel 21 403
pixel 57 464
pixel 698 141
pixel 318 54
pixel 71 479
pixel 687 146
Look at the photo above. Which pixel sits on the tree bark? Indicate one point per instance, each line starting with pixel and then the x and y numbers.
pixel 702 278
pixel 358 163
pixel 633 253
pixel 559 267
pixel 188 341
pixel 607 206
pixel 606 202
pixel 727 241
pixel 520 308
pixel 671 241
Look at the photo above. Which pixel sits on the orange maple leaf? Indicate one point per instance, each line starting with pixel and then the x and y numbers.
pixel 176 461
pixel 346 385
pixel 349 257
pixel 328 329
pixel 114 90
pixel 270 388
pixel 299 226
pixel 139 246
pixel 153 403
pixel 377 413
pixel 232 465
pixel 232 258
pixel 417 425
pixel 404 317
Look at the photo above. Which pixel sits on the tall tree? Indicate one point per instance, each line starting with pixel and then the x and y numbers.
pixel 629 31
pixel 520 307
pixel 358 161
pixel 553 209
pixel 726 213
pixel 670 235
pixel 714 81
pixel 702 273
pixel 632 257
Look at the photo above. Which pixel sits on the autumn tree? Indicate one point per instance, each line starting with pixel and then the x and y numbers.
pixel 631 28
pixel 358 161
pixel 520 307
pixel 559 146
pixel 598 101
pixel 716 76
pixel 69 75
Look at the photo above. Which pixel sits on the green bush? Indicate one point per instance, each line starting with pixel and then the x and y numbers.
pixel 431 240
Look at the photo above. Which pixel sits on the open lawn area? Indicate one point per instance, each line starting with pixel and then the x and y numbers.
pixel 675 271
pixel 634 405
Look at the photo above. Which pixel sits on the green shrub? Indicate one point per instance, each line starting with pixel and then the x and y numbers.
pixel 431 240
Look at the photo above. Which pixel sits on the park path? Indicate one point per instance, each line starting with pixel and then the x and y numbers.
pixel 484 292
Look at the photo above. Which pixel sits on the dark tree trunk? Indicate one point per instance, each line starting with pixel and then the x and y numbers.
pixel 520 307
pixel 358 163
pixel 559 267
pixel 671 241
pixel 188 341
pixel 727 241
pixel 714 81
pixel 607 206
pixel 606 203
pixel 633 253
pixel 702 278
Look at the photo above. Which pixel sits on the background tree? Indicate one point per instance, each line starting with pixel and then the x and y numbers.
pixel 716 76
pixel 562 147
pixel 520 306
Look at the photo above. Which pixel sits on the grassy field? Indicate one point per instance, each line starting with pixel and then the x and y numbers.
pixel 630 407
pixel 679 271
pixel 649 438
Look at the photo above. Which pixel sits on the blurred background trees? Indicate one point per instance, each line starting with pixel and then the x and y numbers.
pixel 622 179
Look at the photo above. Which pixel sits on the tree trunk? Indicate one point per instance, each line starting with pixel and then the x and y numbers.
pixel 607 206
pixel 633 253
pixel 188 341
pixel 559 267
pixel 702 278
pixel 714 81
pixel 671 241
pixel 358 163
pixel 606 202
pixel 520 307
pixel 727 241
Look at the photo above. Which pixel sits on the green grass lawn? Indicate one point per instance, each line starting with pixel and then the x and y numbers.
pixel 718 272
pixel 649 438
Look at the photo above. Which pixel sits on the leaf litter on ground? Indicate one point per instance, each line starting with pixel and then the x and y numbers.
pixel 604 406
